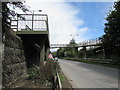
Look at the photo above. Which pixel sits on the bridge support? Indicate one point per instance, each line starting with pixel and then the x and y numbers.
pixel 35 40
pixel 42 51
pixel 31 51
pixel 47 53
pixel 76 52
pixel 104 56
pixel 85 52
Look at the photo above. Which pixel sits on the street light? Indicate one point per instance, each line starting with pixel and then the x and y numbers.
pixel 75 49
pixel 73 35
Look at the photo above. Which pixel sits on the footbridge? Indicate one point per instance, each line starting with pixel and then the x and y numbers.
pixel 92 42
pixel 34 31
pixel 88 43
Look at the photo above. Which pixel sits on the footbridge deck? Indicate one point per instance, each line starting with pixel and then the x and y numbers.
pixel 92 42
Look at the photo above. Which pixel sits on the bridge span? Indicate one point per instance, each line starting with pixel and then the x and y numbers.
pixel 92 42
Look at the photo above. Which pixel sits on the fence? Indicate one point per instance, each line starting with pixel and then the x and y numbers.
pixel 30 22
pixel 92 42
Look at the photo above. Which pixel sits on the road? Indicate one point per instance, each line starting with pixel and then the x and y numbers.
pixel 82 75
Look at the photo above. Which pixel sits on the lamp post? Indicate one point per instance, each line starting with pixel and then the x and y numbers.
pixel 73 36
pixel 74 48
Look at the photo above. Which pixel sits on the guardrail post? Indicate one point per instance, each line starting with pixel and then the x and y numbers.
pixel 59 82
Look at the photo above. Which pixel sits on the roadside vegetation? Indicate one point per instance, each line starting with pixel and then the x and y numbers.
pixel 111 38
pixel 65 82
pixel 93 61
pixel 45 73
pixel 42 76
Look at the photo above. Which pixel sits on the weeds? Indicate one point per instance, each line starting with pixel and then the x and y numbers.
pixel 44 74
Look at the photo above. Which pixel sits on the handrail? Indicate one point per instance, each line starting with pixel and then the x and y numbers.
pixel 33 21
pixel 92 42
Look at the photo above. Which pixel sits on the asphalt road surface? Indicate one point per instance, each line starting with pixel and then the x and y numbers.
pixel 82 75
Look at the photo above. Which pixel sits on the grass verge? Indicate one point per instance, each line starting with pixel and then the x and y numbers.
pixel 91 62
pixel 64 81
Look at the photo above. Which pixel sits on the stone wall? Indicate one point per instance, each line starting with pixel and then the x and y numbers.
pixel 1 60
pixel 14 64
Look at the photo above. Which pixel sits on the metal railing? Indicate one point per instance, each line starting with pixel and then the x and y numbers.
pixel 30 22
pixel 92 42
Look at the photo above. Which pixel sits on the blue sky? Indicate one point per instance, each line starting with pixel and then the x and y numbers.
pixel 93 14
pixel 83 18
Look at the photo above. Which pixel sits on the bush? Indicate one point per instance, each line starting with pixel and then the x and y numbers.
pixel 45 72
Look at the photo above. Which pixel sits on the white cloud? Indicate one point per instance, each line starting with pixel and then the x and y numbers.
pixel 84 29
pixel 72 0
pixel 62 20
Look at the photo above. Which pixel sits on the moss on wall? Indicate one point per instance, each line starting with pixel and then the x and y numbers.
pixel 14 64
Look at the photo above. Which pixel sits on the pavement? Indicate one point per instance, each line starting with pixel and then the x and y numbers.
pixel 82 75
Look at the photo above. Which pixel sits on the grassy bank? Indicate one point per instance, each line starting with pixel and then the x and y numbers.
pixel 65 81
pixel 91 62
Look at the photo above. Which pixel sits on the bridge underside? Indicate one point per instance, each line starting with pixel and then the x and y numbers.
pixel 36 45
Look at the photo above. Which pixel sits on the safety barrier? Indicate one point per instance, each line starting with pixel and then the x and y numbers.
pixel 57 82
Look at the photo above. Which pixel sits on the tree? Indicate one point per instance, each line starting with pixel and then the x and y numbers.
pixel 71 51
pixel 7 13
pixel 72 42
pixel 111 39
pixel 54 54
pixel 60 52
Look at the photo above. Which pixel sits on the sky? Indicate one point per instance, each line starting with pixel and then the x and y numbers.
pixel 74 19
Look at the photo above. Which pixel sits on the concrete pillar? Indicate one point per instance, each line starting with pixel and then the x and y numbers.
pixel 104 56
pixel 76 52
pixel 85 53
pixel 42 51
pixel 47 53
